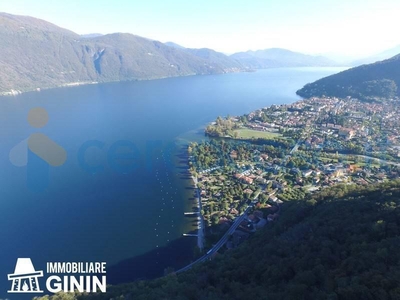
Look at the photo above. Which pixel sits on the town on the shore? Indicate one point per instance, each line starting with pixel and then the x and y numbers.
pixel 285 152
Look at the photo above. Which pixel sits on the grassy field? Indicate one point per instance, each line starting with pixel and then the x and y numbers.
pixel 249 133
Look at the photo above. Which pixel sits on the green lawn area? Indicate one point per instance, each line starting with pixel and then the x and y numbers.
pixel 214 187
pixel 327 159
pixel 363 164
pixel 249 133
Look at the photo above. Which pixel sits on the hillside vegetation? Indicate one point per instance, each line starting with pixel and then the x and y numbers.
pixel 339 244
pixel 375 81
pixel 37 54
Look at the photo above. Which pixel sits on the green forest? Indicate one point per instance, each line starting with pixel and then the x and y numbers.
pixel 371 82
pixel 341 243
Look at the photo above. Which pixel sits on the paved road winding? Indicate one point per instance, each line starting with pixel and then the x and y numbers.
pixel 220 243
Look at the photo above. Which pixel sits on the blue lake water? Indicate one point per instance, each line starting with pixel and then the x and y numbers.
pixel 102 204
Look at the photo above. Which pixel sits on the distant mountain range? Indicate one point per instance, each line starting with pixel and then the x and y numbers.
pixel 276 57
pixel 377 57
pixel 37 54
pixel 264 59
pixel 367 82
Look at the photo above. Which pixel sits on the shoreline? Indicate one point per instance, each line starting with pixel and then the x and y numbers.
pixel 16 92
pixel 200 218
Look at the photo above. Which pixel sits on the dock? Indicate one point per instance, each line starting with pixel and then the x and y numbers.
pixel 191 213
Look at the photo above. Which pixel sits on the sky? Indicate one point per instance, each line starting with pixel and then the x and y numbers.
pixel 348 28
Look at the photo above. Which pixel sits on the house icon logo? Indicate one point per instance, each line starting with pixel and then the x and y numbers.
pixel 25 277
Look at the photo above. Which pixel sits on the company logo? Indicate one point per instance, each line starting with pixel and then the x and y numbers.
pixel 25 277
pixel 38 152
pixel 64 276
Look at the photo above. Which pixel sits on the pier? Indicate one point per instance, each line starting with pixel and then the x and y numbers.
pixel 200 219
pixel 192 213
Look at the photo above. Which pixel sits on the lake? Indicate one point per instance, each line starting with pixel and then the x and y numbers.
pixel 122 191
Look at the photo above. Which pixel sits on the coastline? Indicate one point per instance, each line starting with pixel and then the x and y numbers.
pixel 16 92
pixel 194 135
pixel 200 218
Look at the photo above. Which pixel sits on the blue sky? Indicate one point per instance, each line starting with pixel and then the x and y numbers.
pixel 347 27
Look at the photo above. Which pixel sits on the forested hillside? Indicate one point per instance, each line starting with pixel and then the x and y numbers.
pixel 376 81
pixel 37 54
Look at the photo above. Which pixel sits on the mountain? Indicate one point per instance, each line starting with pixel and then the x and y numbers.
pixel 342 59
pixel 341 243
pixel 37 54
pixel 366 82
pixel 175 45
pixel 91 35
pixel 276 58
pixel 214 57
pixel 377 57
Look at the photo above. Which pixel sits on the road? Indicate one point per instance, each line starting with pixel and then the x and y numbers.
pixel 382 161
pixel 220 243
pixel 302 138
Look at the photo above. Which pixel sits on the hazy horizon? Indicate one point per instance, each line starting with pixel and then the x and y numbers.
pixel 331 28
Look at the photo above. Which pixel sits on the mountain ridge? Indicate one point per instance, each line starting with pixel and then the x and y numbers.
pixel 377 57
pixel 375 81
pixel 278 57
pixel 37 54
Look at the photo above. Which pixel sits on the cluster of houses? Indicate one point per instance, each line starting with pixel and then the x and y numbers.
pixel 335 120
pixel 332 123
pixel 268 176
pixel 245 178
pixel 269 172
pixel 253 222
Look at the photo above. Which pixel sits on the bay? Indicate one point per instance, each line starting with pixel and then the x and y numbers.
pixel 102 204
